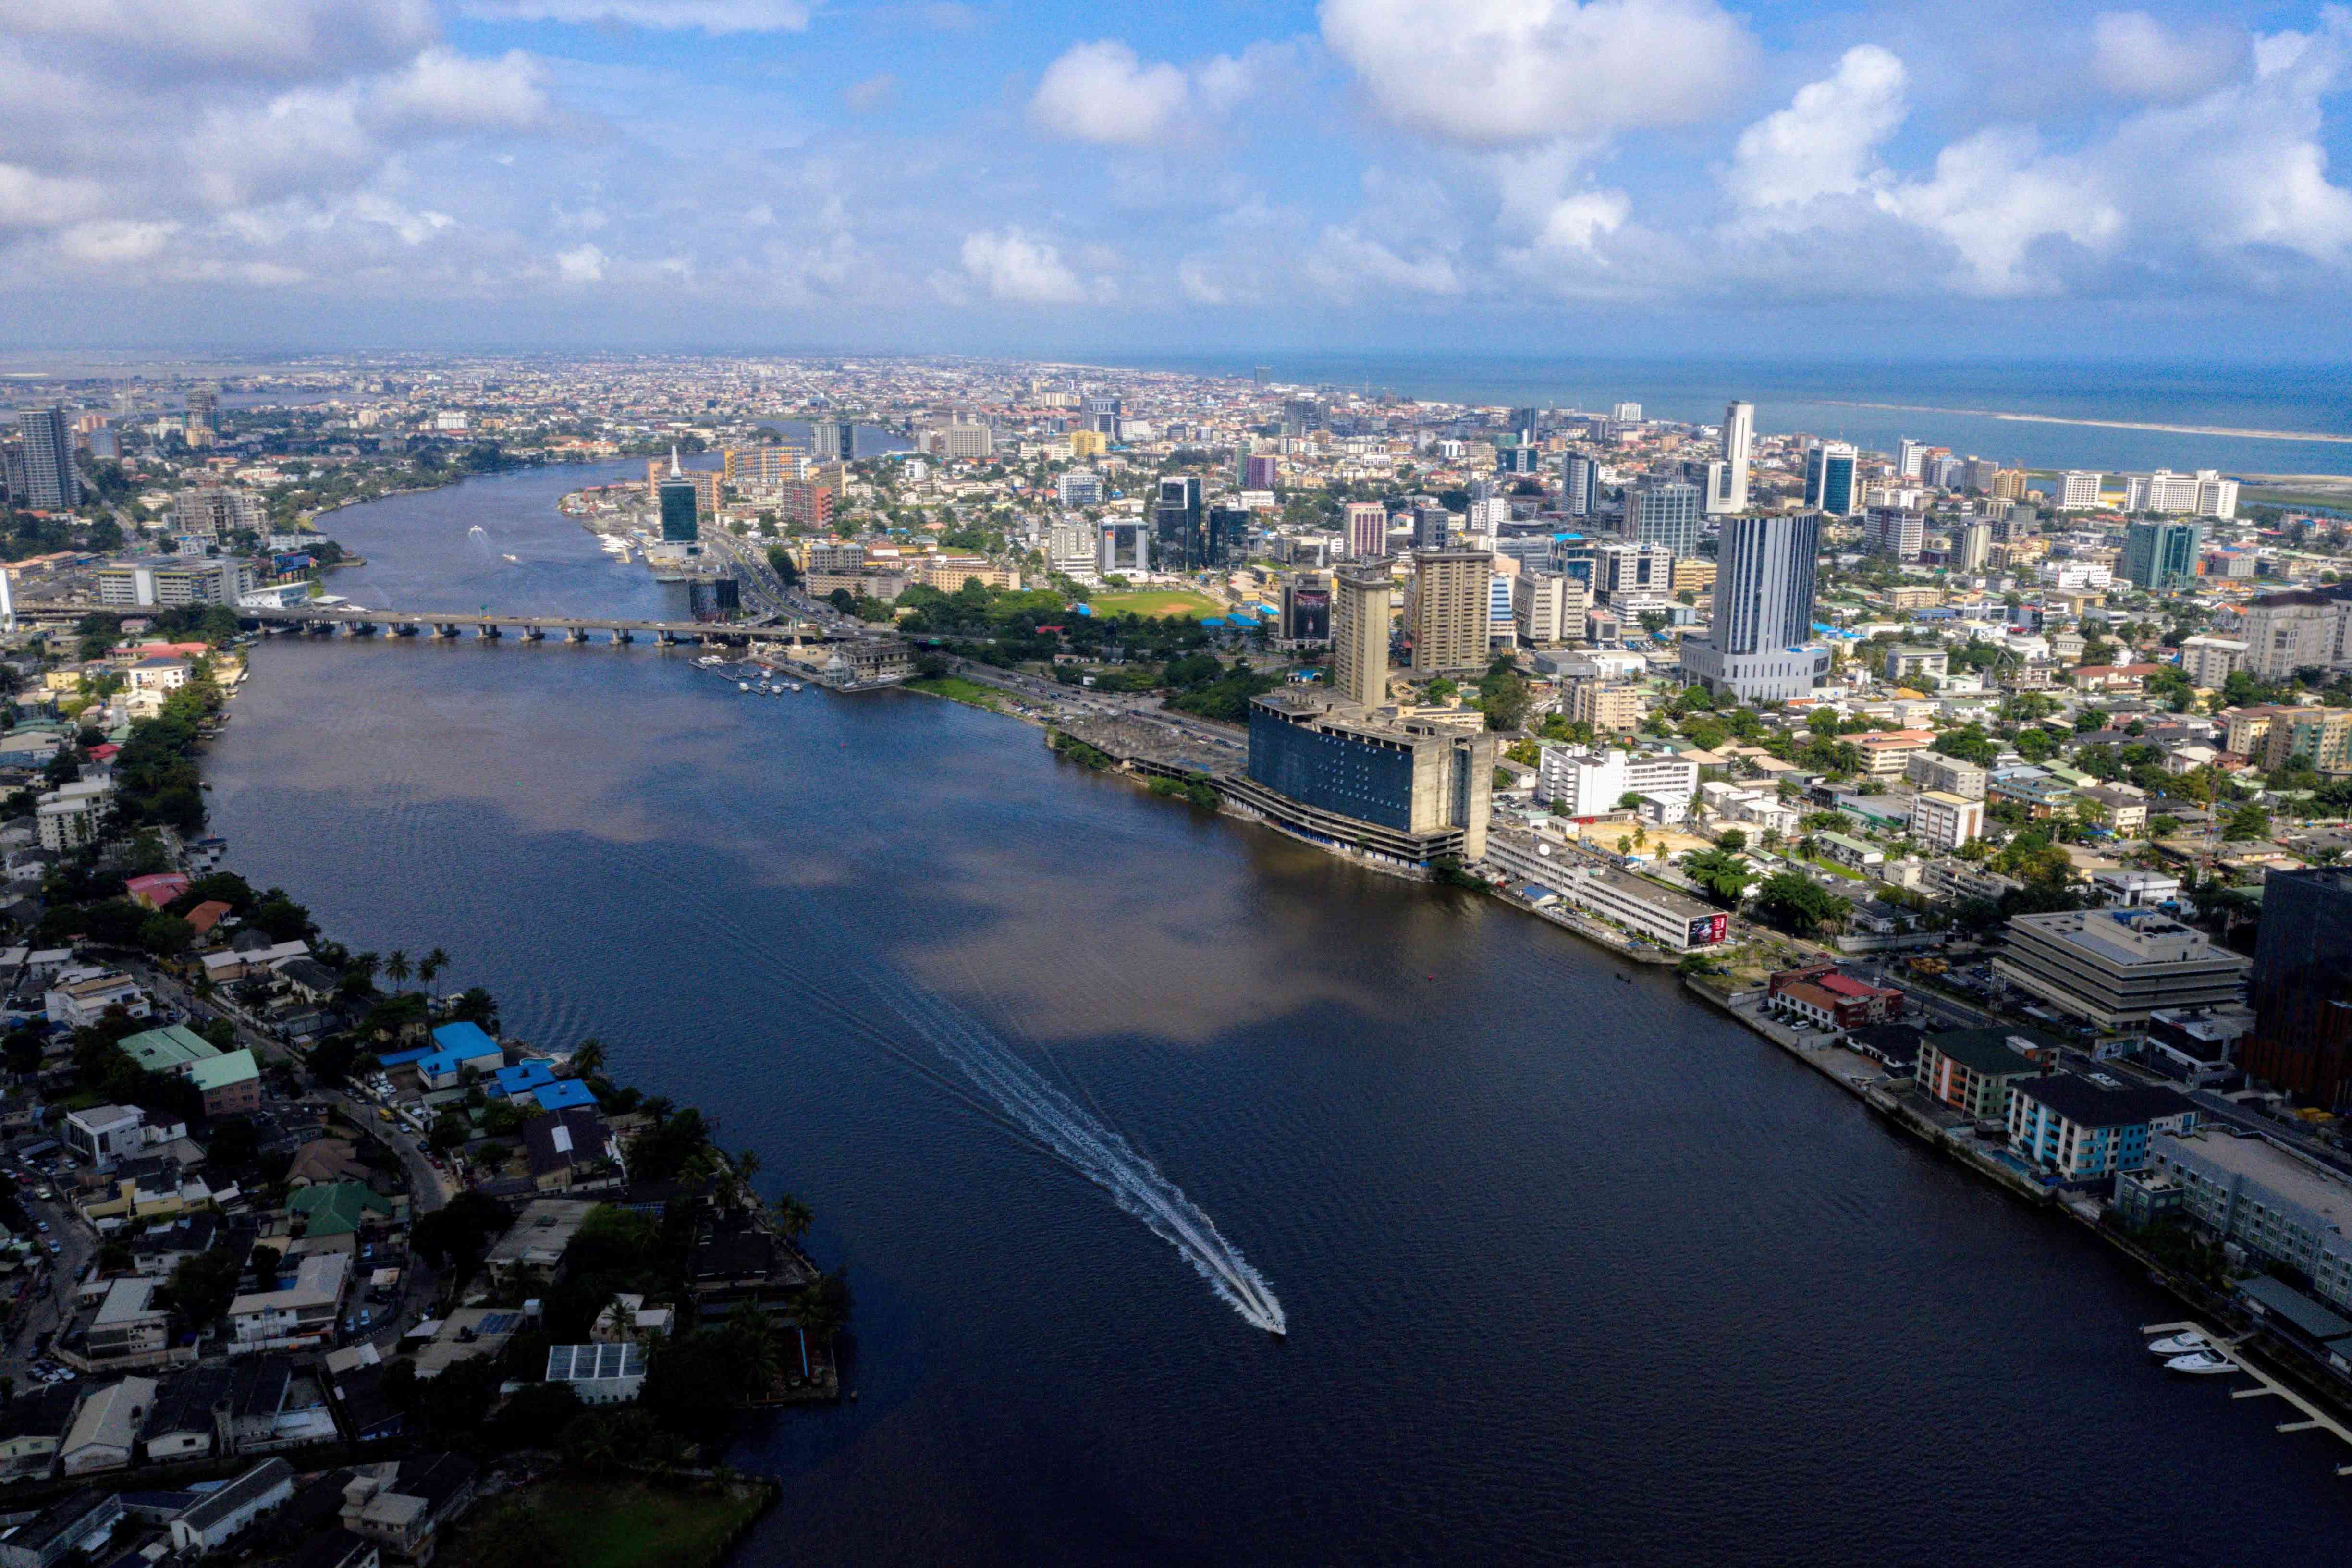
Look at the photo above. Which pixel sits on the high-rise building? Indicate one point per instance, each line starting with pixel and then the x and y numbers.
pixel 1523 426
pixel 1125 546
pixel 2079 488
pixel 214 513
pixel 770 463
pixel 1978 474
pixel 1079 486
pixel 1368 530
pixel 1910 458
pixel 675 496
pixel 1260 472
pixel 1306 609
pixel 1548 607
pixel 1452 610
pixel 2157 555
pixel 1616 570
pixel 1407 791
pixel 1433 526
pixel 833 441
pixel 1829 484
pixel 1758 647
pixel 1179 529
pixel 1971 546
pixel 1360 635
pixel 1730 493
pixel 1226 537
pixel 2302 986
pixel 51 482
pixel 1895 534
pixel 1626 413
pixel 1663 511
pixel 1580 474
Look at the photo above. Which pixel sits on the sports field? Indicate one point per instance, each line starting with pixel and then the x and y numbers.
pixel 1156 602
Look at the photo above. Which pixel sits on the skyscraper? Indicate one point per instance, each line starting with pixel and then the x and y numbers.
pixel 2158 554
pixel 1367 529
pixel 1756 648
pixel 1452 610
pixel 1830 478
pixel 1663 511
pixel 51 483
pixel 679 521
pixel 2301 985
pixel 1305 609
pixel 1178 528
pixel 1910 456
pixel 1523 426
pixel 1971 546
pixel 1730 493
pixel 1580 474
pixel 833 441
pixel 1360 635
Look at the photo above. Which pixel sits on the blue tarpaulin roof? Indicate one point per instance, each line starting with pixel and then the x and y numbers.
pixel 563 1092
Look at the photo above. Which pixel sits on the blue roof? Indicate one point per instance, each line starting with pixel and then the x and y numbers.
pixel 397 1058
pixel 524 1074
pixel 465 1041
pixel 563 1092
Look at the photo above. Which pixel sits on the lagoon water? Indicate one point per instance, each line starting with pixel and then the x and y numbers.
pixel 1573 1269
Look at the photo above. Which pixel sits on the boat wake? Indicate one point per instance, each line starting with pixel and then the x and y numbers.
pixel 1093 1150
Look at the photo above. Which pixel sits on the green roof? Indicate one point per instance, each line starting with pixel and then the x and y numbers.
pixel 223 1071
pixel 1987 1051
pixel 169 1048
pixel 336 1208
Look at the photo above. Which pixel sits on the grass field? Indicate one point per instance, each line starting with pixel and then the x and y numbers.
pixel 956 689
pixel 1157 601
pixel 615 1522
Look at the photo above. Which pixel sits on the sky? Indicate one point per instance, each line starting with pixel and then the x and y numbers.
pixel 1899 179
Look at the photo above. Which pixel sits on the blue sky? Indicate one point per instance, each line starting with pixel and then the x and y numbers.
pixel 1528 176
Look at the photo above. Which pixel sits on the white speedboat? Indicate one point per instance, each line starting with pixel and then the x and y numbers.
pixel 2187 1342
pixel 2201 1364
pixel 793 684
pixel 742 686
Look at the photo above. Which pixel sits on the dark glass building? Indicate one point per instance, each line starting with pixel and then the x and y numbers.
pixel 1178 527
pixel 2302 986
pixel 679 523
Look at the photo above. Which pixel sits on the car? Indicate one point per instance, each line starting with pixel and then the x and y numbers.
pixel 45 1226
pixel 55 1248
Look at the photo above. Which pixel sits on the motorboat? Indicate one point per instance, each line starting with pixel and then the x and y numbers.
pixel 742 686
pixel 2187 1342
pixel 2201 1364
pixel 793 684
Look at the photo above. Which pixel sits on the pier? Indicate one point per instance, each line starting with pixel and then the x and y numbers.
pixel 2314 1419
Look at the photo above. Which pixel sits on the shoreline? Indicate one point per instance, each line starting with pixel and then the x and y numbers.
pixel 2233 432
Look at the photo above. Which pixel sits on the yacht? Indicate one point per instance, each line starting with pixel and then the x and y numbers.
pixel 742 686
pixel 2201 1364
pixel 2189 1342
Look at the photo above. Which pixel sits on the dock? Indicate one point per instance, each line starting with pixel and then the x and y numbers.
pixel 2314 1419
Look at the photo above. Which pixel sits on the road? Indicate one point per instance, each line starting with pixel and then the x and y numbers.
pixel 50 1303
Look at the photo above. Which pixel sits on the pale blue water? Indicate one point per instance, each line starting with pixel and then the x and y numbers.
pixel 1822 398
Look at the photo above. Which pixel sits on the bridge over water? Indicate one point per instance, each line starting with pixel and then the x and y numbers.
pixel 488 625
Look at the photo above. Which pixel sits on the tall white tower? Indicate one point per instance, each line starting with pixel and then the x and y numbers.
pixel 1729 494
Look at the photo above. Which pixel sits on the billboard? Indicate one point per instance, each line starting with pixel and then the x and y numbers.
pixel 1706 930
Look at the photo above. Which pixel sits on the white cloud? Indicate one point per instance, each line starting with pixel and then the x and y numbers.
pixel 1496 73
pixel 667 15
pixel 30 200
pixel 1346 261
pixel 1825 143
pixel 2135 55
pixel 584 264
pixel 1197 284
pixel 244 36
pixel 1995 196
pixel 445 90
pixel 1015 266
pixel 116 242
pixel 1101 92
pixel 864 97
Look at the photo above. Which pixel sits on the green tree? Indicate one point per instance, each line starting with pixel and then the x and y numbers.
pixel 2248 821
pixel 1725 876
pixel 397 969
pixel 1799 905
pixel 511 1533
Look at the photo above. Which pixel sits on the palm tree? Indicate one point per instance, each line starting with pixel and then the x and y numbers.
pixel 588 1057
pixel 430 966
pixel 747 1165
pixel 791 1217
pixel 397 969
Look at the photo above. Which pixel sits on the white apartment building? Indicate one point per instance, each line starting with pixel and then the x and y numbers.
pixel 2079 490
pixel 2208 661
pixel 1582 783
pixel 105 1134
pixel 2076 575
pixel 301 1313
pixel 1945 822
pixel 2287 632
pixel 73 815
pixel 2203 494
pixel 79 997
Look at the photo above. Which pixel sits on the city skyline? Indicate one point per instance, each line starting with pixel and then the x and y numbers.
pixel 1374 174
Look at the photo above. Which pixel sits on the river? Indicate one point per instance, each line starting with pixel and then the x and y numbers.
pixel 1574 1269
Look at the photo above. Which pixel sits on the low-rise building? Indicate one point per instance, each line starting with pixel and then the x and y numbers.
pixel 1952 775
pixel 230 1082
pixel 33 1427
pixel 2112 968
pixel 105 1432
pixel 574 1149
pixel 1973 1070
pixel 2123 812
pixel 403 1504
pixel 80 999
pixel 104 1134
pixel 1576 781
pixel 2080 1130
pixel 300 1312
pixel 131 1327
pixel 599 1374
pixel 224 1514
pixel 1888 754
pixel 1829 1000
pixel 2278 1205
pixel 1851 853
pixel 531 1251
pixel 58 1531
pixel 1676 921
